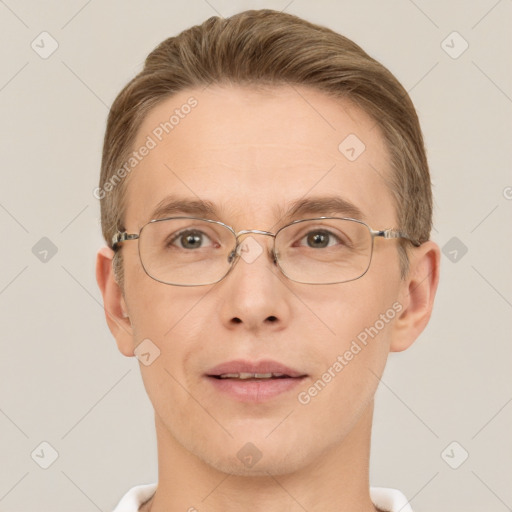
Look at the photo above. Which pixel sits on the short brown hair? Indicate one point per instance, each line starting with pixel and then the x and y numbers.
pixel 266 47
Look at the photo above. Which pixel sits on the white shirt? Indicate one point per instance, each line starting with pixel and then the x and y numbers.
pixel 390 500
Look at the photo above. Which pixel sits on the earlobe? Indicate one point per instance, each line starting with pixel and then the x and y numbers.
pixel 113 302
pixel 417 296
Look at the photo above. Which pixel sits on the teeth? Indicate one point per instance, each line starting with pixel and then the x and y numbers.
pixel 245 375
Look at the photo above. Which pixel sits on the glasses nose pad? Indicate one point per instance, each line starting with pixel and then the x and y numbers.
pixel 236 252
pixel 232 255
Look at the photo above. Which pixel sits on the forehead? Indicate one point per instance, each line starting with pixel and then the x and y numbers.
pixel 252 153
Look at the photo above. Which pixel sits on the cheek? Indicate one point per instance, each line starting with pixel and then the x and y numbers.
pixel 351 360
pixel 155 308
pixel 168 323
pixel 174 320
pixel 358 317
pixel 344 312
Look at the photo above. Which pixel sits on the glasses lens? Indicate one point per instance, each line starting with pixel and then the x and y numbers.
pixel 324 251
pixel 186 251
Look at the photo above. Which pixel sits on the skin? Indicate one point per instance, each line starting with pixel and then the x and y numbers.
pixel 249 152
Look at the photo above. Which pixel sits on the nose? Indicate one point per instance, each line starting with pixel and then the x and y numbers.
pixel 253 294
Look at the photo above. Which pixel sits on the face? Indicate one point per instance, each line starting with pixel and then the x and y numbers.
pixel 252 155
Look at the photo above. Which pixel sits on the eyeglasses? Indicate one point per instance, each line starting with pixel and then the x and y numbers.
pixel 188 251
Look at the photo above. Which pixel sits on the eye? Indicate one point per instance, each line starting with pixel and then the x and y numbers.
pixel 321 238
pixel 189 239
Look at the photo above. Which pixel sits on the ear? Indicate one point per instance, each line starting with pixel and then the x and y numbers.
pixel 417 295
pixel 113 302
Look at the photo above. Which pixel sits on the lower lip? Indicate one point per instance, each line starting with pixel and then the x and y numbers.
pixel 254 390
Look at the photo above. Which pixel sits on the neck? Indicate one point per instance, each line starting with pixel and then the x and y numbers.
pixel 337 481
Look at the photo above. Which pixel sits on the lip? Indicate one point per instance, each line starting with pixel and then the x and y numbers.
pixel 264 366
pixel 255 391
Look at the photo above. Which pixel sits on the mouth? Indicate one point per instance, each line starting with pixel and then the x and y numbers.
pixel 252 376
pixel 245 381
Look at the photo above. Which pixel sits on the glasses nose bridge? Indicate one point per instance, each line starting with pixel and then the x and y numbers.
pixel 257 231
pixel 244 232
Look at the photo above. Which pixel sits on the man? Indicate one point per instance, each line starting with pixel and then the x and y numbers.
pixel 267 204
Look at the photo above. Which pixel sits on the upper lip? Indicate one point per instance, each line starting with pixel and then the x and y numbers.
pixel 264 366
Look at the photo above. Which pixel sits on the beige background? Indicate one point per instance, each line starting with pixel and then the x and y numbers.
pixel 62 379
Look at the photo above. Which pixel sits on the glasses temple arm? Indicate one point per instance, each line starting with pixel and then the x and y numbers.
pixel 392 233
pixel 122 237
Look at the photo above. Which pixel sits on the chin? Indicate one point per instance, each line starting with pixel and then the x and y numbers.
pixel 259 456
pixel 267 465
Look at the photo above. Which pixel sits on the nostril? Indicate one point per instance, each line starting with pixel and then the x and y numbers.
pixel 272 319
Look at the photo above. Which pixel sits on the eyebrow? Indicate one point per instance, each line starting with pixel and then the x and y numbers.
pixel 317 205
pixel 323 206
pixel 172 205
